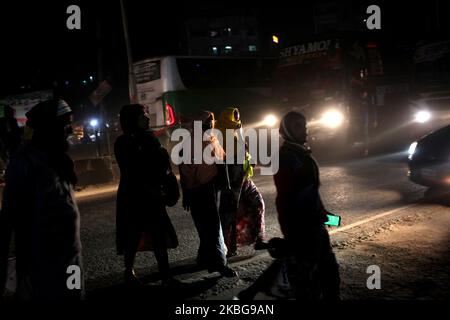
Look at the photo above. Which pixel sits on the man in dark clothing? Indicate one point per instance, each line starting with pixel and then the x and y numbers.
pixel 313 271
pixel 39 209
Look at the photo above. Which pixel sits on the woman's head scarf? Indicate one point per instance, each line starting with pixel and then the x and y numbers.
pixel 230 118
pixel 207 118
pixel 289 124
pixel 129 115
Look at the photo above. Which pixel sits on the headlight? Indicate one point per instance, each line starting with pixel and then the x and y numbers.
pixel 270 120
pixel 422 116
pixel 332 118
pixel 412 149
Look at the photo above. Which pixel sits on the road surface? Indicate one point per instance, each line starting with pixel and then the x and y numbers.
pixel 363 191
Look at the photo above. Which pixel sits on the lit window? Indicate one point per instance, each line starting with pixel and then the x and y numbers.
pixel 252 48
pixel 215 50
pixel 228 49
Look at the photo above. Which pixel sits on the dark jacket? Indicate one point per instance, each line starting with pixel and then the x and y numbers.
pixel 143 164
pixel 39 207
pixel 298 201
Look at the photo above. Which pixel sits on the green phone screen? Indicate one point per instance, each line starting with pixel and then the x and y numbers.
pixel 334 221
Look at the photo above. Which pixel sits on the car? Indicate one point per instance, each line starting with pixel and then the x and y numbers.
pixel 429 159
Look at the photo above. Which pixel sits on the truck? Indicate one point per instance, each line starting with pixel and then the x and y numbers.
pixel 330 80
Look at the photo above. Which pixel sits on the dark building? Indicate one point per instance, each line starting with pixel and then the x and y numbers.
pixel 338 16
pixel 215 31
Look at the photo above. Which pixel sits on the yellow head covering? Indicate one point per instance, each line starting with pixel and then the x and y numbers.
pixel 230 118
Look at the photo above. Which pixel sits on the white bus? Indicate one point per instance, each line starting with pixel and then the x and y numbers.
pixel 175 88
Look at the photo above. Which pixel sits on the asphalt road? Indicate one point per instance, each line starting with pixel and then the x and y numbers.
pixel 356 190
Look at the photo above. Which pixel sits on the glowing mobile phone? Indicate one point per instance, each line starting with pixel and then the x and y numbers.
pixel 333 220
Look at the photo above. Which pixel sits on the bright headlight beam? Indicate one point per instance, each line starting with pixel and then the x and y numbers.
pixel 332 118
pixel 412 148
pixel 270 120
pixel 422 116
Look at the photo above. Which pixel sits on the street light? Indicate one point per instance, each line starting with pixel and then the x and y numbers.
pixel 93 123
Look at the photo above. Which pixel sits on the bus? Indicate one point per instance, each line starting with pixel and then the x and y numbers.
pixel 327 79
pixel 176 88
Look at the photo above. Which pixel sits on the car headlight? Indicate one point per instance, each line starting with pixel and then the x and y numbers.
pixel 422 116
pixel 412 150
pixel 270 120
pixel 332 118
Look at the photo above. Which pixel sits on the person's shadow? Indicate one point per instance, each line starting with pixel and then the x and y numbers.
pixel 152 288
pixel 151 291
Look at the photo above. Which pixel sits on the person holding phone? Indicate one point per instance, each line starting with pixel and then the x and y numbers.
pixel 313 270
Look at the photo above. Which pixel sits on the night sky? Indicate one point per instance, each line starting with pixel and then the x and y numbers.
pixel 38 49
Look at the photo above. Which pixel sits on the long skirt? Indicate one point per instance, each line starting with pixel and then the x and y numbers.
pixel 245 224
pixel 140 228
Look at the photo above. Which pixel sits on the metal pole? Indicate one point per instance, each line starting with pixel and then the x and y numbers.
pixel 101 106
pixel 131 81
pixel 438 22
pixel 97 141
pixel 99 80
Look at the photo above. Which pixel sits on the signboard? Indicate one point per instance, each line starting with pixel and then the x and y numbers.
pixel 310 51
pixel 100 93
pixel 147 75
pixel 147 71
pixel 24 102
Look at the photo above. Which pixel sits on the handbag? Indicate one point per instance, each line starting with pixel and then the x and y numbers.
pixel 170 189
